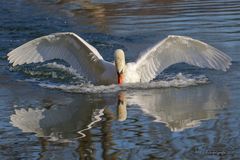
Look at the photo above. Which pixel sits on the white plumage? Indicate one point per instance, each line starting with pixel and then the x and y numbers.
pixel 88 62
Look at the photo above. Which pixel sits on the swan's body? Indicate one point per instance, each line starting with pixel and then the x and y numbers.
pixel 87 60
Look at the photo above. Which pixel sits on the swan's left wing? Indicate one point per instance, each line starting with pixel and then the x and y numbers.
pixel 67 46
pixel 177 49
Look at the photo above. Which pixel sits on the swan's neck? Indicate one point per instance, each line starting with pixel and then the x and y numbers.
pixel 120 65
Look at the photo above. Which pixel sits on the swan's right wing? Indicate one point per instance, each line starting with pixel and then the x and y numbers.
pixel 178 49
pixel 66 46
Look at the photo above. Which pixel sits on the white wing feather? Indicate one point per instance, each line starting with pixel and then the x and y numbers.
pixel 177 49
pixel 67 46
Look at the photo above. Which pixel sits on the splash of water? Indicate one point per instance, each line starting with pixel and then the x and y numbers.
pixel 178 80
pixel 77 84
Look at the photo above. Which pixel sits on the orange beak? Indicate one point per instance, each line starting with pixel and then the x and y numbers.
pixel 120 78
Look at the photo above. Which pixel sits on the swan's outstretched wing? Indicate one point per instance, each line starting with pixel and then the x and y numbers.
pixel 67 46
pixel 177 49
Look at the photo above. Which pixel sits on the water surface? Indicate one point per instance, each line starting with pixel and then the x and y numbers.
pixel 48 113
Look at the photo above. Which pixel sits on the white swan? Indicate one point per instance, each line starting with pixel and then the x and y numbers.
pixel 88 62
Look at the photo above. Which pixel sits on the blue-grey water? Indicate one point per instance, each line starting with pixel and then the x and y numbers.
pixel 46 112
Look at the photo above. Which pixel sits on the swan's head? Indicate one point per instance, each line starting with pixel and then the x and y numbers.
pixel 120 64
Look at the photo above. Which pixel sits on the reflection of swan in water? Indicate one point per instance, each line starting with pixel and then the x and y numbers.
pixel 180 108
pixel 58 122
pixel 121 107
